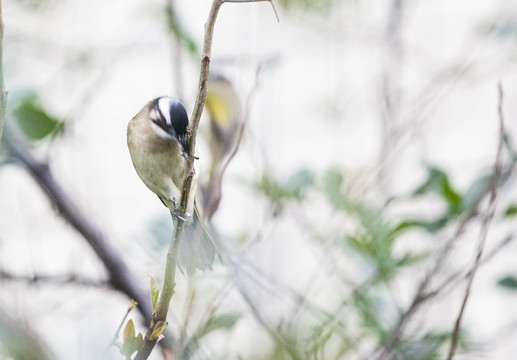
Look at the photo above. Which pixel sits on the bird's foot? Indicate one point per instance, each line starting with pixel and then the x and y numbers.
pixel 179 217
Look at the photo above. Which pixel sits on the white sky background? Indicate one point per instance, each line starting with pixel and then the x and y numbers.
pixel 96 63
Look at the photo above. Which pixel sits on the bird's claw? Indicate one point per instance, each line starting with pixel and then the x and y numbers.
pixel 178 217
pixel 185 155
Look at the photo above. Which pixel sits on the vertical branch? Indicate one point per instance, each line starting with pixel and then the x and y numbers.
pixel 199 104
pixel 176 53
pixel 390 90
pixel 167 292
pixel 3 94
pixel 484 227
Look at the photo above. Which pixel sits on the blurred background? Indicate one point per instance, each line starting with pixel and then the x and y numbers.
pixel 347 157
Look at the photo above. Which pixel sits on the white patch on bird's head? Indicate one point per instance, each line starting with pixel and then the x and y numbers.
pixel 160 132
pixel 165 104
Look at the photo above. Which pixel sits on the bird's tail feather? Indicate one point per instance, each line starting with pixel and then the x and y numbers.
pixel 197 248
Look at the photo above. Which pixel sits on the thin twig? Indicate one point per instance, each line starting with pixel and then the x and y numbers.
pixel 282 339
pixel 71 279
pixel 245 1
pixel 423 293
pixel 130 307
pixel 391 91
pixel 485 225
pixel 176 50
pixel 453 279
pixel 3 94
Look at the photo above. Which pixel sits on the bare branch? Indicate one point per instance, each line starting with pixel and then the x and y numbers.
pixel 248 1
pixel 172 254
pixel 3 94
pixel 120 275
pixel 391 93
pixel 286 341
pixel 70 279
pixel 485 225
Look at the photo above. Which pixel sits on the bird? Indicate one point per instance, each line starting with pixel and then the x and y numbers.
pixel 224 109
pixel 157 142
pixel 223 106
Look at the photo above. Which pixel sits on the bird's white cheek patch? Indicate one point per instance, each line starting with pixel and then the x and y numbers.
pixel 160 132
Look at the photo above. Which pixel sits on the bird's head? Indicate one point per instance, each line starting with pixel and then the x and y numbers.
pixel 169 120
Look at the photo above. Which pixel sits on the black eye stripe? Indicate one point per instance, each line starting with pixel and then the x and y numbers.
pixel 177 127
pixel 158 119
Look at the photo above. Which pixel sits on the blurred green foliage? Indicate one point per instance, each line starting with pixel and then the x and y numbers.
pixel 369 233
pixel 511 211
pixel 366 311
pixel 508 282
pixel 223 321
pixel 504 26
pixel 180 32
pixel 131 342
pixel 33 119
pixel 308 5
pixel 281 193
pixel 37 5
pixel 374 236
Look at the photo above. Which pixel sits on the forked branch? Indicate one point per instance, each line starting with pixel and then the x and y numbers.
pixel 160 315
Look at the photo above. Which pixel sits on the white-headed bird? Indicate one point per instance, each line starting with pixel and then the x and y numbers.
pixel 157 141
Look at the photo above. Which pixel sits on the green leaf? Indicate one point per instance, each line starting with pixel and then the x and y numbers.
pixel 129 330
pixel 132 345
pixel 181 32
pixel 318 6
pixel 511 211
pixel 508 282
pixel 431 226
pixel 293 189
pixel 332 188
pixel 438 183
pixel 427 347
pixel 159 328
pixel 298 183
pixel 119 345
pixel 224 321
pixel 155 292
pixel 269 187
pixel 369 309
pixel 475 193
pixel 34 120
pixel 481 187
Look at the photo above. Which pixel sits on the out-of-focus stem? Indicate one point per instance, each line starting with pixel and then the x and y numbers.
pixel 3 94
